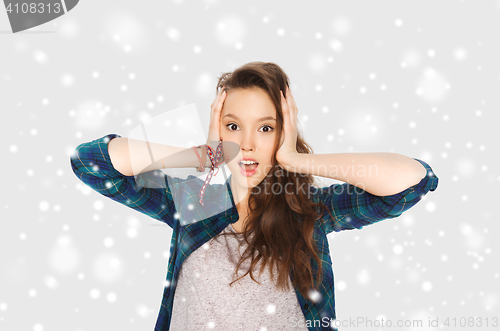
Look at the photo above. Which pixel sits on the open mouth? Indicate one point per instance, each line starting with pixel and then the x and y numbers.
pixel 248 167
pixel 248 170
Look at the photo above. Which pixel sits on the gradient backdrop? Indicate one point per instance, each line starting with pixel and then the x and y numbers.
pixel 419 78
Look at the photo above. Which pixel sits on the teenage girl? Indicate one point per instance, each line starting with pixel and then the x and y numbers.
pixel 263 261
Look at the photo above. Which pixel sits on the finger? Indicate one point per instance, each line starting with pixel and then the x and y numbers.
pixel 290 106
pixel 218 108
pixel 284 100
pixel 289 93
pixel 217 97
pixel 222 94
pixel 284 104
pixel 286 112
pixel 292 99
pixel 222 98
pixel 294 109
pixel 289 96
pixel 215 108
pixel 292 114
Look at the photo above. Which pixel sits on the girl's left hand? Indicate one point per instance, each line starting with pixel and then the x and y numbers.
pixel 288 149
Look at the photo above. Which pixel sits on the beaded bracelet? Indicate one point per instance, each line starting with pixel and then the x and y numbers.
pixel 214 159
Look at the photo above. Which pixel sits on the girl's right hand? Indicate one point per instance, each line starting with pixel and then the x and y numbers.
pixel 215 113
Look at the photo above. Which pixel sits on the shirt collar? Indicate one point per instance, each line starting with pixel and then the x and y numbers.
pixel 230 207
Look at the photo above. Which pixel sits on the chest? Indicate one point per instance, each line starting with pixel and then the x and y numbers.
pixel 218 258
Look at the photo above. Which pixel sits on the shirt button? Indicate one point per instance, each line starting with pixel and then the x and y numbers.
pixel 306 306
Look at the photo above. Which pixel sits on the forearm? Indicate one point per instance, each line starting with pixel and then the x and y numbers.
pixel 380 174
pixel 132 157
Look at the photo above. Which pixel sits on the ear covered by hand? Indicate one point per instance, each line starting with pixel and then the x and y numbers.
pixel 288 143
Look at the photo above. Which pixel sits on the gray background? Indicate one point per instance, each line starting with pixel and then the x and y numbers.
pixel 419 78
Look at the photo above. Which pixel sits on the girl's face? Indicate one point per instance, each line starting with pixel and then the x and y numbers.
pixel 248 118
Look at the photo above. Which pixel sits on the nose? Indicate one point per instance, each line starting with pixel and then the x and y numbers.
pixel 246 148
pixel 247 143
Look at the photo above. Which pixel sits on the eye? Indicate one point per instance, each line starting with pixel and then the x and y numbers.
pixel 230 124
pixel 269 128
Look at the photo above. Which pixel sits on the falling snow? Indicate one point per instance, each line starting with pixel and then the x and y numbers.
pixel 359 85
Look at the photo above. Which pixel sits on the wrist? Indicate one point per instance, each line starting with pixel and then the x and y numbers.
pixel 291 163
pixel 204 156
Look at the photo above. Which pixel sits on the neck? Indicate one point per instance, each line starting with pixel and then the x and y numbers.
pixel 240 196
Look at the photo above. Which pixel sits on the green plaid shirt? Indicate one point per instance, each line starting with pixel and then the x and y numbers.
pixel 154 193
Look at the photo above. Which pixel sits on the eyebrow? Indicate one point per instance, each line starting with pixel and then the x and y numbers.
pixel 259 120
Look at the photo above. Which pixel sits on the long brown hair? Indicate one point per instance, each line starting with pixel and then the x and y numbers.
pixel 273 228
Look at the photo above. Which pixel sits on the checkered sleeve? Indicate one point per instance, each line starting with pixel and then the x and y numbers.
pixel 354 208
pixel 91 163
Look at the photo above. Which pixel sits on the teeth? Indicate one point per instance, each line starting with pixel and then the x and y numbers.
pixel 248 162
